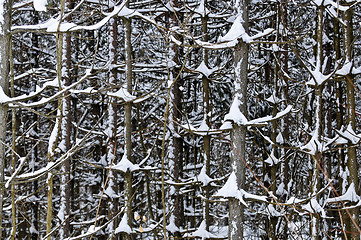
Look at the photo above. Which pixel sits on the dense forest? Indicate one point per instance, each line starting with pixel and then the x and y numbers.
pixel 180 119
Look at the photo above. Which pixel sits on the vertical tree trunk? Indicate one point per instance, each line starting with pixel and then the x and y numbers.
pixel 353 221
pixel 13 144
pixel 317 134
pixel 175 153
pixel 128 120
pixel 112 126
pixel 55 134
pixel 5 14
pixel 65 185
pixel 207 118
pixel 238 135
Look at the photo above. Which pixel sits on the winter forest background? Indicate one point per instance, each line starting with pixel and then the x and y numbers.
pixel 157 119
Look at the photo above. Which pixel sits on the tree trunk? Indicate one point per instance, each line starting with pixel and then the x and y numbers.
pixel 128 121
pixel 352 222
pixel 238 135
pixel 65 185
pixel 5 13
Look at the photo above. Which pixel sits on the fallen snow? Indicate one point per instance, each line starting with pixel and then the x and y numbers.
pixel 171 227
pixel 345 70
pixel 314 207
pixel 347 135
pixel 203 69
pixel 40 5
pixel 230 190
pixel 22 161
pixel 237 31
pixel 201 9
pixel 313 146
pixel 122 93
pixel 123 225
pixel 350 195
pixel 202 232
pixel 272 160
pixel 203 177
pixel 125 165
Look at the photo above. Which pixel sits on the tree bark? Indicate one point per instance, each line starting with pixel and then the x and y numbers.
pixel 353 220
pixel 5 13
pixel 238 135
pixel 128 176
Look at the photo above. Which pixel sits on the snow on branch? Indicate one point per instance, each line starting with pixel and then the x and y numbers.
pixel 53 25
pixel 124 165
pixel 52 165
pixel 202 130
pixel 122 93
pixel 124 226
pixel 93 229
pixel 235 116
pixel 202 232
pixel 4 99
pixel 350 196
pixel 234 35
pixel 230 190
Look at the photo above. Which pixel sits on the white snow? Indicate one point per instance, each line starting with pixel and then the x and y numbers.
pixel 314 207
pixel 313 145
pixel 293 200
pixel 272 211
pixel 203 69
pixel 272 160
pixel 123 225
pixel 230 190
pixel 125 165
pixel 54 26
pixel 202 232
pixel 171 227
pixel 317 78
pixel 22 161
pixel 273 99
pixel 279 138
pixel 53 136
pixel 350 195
pixel 237 31
pixel 235 114
pixel 203 177
pixel 347 135
pixel 122 93
pixel 40 5
pixel 201 9
pixel 345 70
pixel 3 96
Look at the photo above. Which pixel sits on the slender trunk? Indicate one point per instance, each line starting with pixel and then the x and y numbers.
pixel 112 126
pixel 13 145
pixel 128 121
pixel 238 135
pixel 353 222
pixel 207 117
pixel 54 137
pixel 317 134
pixel 65 188
pixel 5 13
pixel 175 153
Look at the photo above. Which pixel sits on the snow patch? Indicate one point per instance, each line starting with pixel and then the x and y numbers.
pixel 202 232
pixel 123 226
pixel 125 165
pixel 40 5
pixel 122 93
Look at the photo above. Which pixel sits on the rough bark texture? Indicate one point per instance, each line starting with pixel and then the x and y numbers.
pixel 4 84
pixel 128 121
pixel 238 136
pixel 353 220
